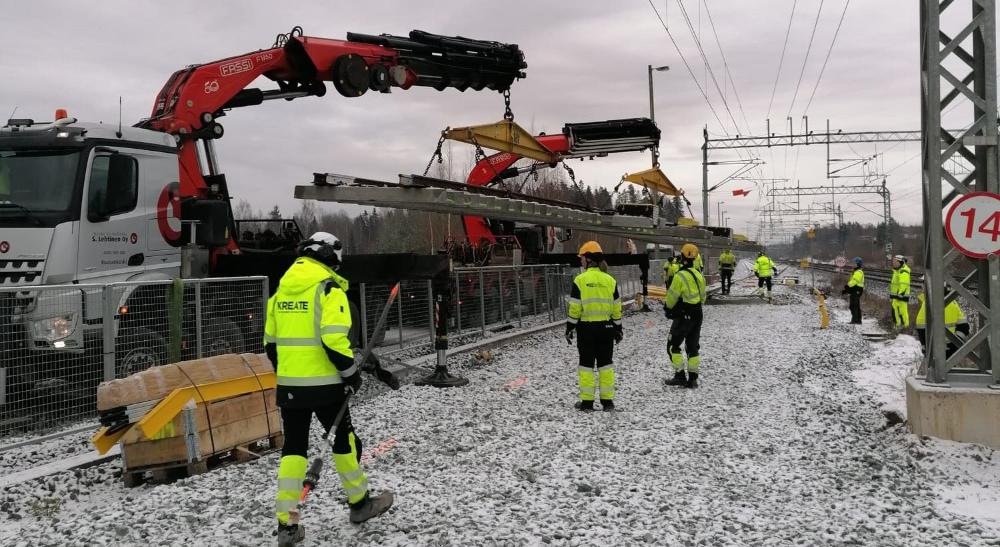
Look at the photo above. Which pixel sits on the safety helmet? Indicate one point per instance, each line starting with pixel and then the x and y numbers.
pixel 760 252
pixel 590 247
pixel 858 261
pixel 322 246
pixel 689 251
pixel 900 258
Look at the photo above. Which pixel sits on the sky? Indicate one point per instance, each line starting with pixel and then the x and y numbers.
pixel 586 62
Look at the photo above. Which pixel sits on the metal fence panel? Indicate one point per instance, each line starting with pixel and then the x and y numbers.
pixel 58 343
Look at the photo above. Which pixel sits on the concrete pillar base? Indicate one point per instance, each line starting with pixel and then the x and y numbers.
pixel 964 414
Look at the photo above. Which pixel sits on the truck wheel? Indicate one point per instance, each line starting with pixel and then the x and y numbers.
pixel 141 349
pixel 221 336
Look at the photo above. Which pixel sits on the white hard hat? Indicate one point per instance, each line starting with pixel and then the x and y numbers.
pixel 900 258
pixel 324 246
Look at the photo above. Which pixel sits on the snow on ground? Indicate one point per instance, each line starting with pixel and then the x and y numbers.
pixel 884 372
pixel 778 447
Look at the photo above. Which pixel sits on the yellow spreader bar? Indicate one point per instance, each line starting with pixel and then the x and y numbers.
pixel 654 178
pixel 172 404
pixel 504 136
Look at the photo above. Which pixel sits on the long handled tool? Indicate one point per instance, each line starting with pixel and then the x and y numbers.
pixel 316 468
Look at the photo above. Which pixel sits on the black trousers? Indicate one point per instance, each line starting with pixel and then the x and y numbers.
pixel 596 343
pixel 855 305
pixel 727 280
pixel 761 281
pixel 686 330
pixel 296 422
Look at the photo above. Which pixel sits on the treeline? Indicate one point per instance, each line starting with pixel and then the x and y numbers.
pixel 384 230
pixel 854 239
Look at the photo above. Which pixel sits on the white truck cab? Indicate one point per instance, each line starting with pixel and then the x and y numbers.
pixel 84 204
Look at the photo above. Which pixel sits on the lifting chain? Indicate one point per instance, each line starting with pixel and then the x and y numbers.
pixel 436 154
pixel 656 157
pixel 507 113
pixel 572 178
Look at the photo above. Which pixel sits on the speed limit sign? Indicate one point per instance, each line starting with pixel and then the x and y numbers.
pixel 973 224
pixel 841 262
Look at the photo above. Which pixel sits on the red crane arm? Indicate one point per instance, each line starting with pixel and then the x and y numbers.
pixel 576 140
pixel 193 98
pixel 487 170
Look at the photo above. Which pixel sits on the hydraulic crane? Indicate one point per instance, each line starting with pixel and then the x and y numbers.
pixel 194 98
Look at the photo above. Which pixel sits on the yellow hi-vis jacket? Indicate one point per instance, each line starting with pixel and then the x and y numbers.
pixel 688 286
pixel 310 311
pixel 699 264
pixel 763 266
pixel 953 315
pixel 899 287
pixel 857 279
pixel 727 261
pixel 594 298
pixel 670 267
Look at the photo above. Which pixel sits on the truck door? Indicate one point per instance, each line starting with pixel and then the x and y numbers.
pixel 113 220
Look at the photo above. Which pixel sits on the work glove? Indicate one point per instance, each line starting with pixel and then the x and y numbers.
pixel 569 333
pixel 619 333
pixel 352 383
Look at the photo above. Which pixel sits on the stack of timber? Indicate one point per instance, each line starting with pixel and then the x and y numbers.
pixel 203 434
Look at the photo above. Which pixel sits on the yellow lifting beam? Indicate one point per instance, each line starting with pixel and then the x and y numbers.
pixel 504 136
pixel 654 178
pixel 172 404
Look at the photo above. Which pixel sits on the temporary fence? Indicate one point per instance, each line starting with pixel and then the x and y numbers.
pixel 57 343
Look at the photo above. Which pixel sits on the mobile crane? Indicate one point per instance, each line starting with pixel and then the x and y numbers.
pixel 88 203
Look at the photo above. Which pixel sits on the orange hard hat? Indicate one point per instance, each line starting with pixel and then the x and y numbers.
pixel 590 247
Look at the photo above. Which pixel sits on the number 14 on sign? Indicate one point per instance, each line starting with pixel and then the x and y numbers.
pixel 973 224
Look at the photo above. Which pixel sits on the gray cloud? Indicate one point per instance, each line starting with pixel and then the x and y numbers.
pixel 587 61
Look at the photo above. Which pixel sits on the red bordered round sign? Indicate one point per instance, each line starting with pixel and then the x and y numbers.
pixel 973 224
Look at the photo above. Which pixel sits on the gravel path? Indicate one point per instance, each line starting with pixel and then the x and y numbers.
pixel 778 447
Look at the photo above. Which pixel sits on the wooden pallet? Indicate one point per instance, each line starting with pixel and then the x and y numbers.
pixel 169 472
pixel 203 437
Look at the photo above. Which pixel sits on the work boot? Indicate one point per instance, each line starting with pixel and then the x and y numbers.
pixel 679 379
pixel 370 507
pixel 692 381
pixel 585 406
pixel 290 534
pixel 607 405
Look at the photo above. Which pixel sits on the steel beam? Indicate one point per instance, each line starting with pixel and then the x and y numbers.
pixel 442 200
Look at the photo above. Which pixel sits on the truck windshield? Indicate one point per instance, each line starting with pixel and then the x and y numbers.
pixel 37 186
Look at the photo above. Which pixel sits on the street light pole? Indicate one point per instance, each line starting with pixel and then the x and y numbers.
pixel 718 211
pixel 652 114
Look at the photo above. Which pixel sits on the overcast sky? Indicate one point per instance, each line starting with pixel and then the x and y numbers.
pixel 586 62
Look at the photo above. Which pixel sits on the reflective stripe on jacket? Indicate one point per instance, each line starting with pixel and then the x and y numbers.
pixel 900 284
pixel 594 298
pixel 953 315
pixel 688 286
pixel 763 266
pixel 307 312
pixel 857 279
pixel 727 261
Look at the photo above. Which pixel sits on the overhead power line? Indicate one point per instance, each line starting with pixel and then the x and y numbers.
pixel 725 64
pixel 688 66
pixel 805 61
pixel 828 52
pixel 781 61
pixel 708 66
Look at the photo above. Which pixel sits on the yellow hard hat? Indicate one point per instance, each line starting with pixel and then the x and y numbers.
pixel 689 250
pixel 589 248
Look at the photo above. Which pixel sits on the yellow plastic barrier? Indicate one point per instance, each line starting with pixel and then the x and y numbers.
pixel 824 316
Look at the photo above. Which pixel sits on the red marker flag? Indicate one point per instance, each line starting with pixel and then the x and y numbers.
pixel 741 192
